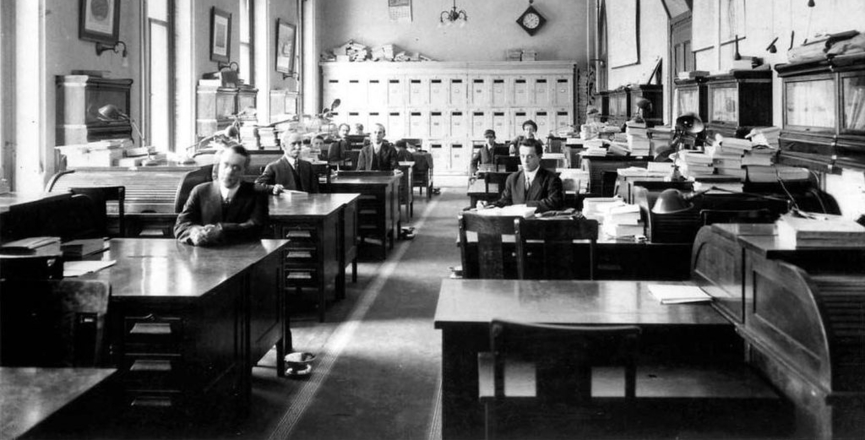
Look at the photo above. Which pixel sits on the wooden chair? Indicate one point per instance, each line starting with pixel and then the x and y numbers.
pixel 31 266
pixel 53 323
pixel 546 248
pixel 711 216
pixel 422 173
pixel 506 163
pixel 101 195
pixel 497 178
pixel 550 366
pixel 489 256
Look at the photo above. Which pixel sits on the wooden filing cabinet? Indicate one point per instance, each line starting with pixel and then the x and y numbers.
pixel 79 98
pixel 738 101
pixel 216 106
pixel 654 93
pixel 377 208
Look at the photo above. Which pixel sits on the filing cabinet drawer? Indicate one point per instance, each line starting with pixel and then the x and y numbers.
pixel 152 373
pixel 301 256
pixel 152 333
pixel 299 235
pixel 300 277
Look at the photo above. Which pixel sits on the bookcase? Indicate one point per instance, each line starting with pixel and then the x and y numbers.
pixel 690 95
pixel 449 105
pixel 79 98
pixel 824 114
pixel 217 105
pixel 738 101
pixel 655 94
pixel 619 106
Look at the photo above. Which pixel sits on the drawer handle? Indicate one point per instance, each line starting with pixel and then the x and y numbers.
pixel 151 328
pixel 150 365
pixel 298 254
pixel 298 234
pixel 152 402
pixel 299 276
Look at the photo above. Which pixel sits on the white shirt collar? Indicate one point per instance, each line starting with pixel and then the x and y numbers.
pixel 530 175
pixel 228 194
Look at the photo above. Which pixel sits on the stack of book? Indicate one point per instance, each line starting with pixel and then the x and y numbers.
pixel 618 148
pixel 249 136
pixel 638 138
pixel 759 155
pixel 718 184
pixel 594 151
pixel 593 207
pixel 819 230
pixel 75 249
pixel 766 136
pixel 696 163
pixel 759 173
pixel 661 136
pixel 727 161
pixel 622 221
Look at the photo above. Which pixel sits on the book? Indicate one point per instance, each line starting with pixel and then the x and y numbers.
pixel 76 249
pixel 31 244
pixel 678 293
pixel 819 230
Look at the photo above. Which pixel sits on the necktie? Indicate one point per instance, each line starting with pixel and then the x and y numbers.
pixel 528 183
pixel 296 176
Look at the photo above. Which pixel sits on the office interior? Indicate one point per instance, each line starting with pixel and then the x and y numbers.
pixel 595 47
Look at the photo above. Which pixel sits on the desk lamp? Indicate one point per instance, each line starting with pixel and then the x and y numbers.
pixel 643 106
pixel 110 113
pixel 672 201
pixel 687 127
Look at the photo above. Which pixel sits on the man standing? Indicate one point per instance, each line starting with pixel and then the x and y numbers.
pixel 290 172
pixel 534 186
pixel 224 210
pixel 377 153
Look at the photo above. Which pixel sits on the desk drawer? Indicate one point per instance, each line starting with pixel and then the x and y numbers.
pixel 300 277
pixel 153 373
pixel 152 333
pixel 299 235
pixel 301 256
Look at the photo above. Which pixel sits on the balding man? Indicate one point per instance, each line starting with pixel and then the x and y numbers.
pixel 377 153
pixel 290 172
pixel 224 210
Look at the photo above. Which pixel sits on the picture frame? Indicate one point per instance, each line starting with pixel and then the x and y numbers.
pixel 220 35
pixel 99 21
pixel 286 39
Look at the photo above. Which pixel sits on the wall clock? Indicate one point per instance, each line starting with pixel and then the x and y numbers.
pixel 531 20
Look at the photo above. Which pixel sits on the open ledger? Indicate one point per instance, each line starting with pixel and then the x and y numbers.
pixel 678 293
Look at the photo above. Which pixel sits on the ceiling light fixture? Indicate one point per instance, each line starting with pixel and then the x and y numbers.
pixel 448 18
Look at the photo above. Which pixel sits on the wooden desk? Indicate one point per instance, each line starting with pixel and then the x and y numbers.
pixel 28 396
pixel 378 206
pixel 478 191
pixel 321 230
pixel 406 196
pixel 28 215
pixel 188 323
pixel 466 307
pixel 597 165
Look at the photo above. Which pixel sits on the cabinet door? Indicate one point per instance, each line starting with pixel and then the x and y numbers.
pixel 438 93
pixel 355 93
pixel 544 121
pixel 564 92
pixel 541 92
pixel 395 92
pixel 499 93
pixel 562 119
pixel 458 92
pixel 376 117
pixel 853 105
pixel 518 116
pixel 458 124
pixel 376 96
pixel 480 92
pixel 440 155
pixel 500 125
pixel 417 124
pixel 479 124
pixel 333 89
pixel 521 92
pixel 418 92
pixel 396 125
pixel 354 117
pixel 437 125
pixel 459 158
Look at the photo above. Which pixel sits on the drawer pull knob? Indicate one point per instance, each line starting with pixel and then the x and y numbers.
pixel 151 328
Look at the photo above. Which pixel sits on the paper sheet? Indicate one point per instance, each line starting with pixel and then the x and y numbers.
pixel 78 268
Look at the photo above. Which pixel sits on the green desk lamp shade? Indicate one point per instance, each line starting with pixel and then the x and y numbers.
pixel 671 201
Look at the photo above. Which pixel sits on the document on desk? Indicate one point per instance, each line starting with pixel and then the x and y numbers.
pixel 78 268
pixel 678 294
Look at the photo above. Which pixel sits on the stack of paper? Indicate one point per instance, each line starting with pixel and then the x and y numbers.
pixel 509 211
pixel 696 163
pixel 638 138
pixel 821 230
pixel 78 268
pixel 622 221
pixel 775 173
pixel 678 293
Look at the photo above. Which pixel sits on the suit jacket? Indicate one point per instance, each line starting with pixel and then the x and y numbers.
pixel 386 157
pixel 485 155
pixel 546 192
pixel 337 151
pixel 243 218
pixel 514 146
pixel 281 172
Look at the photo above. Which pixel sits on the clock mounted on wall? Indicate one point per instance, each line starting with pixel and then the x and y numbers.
pixel 531 20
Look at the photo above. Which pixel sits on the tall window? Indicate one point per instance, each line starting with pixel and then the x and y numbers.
pixel 158 89
pixel 246 42
pixel 719 22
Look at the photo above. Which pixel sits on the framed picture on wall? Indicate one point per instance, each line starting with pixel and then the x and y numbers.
pixel 220 35
pixel 99 21
pixel 285 38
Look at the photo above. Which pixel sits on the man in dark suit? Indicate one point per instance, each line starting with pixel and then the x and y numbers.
pixel 377 153
pixel 487 153
pixel 338 151
pixel 227 209
pixel 534 186
pixel 290 172
pixel 530 130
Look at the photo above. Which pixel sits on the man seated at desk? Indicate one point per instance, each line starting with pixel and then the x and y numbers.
pixel 402 152
pixel 377 154
pixel 487 153
pixel 530 129
pixel 290 172
pixel 338 151
pixel 534 186
pixel 227 209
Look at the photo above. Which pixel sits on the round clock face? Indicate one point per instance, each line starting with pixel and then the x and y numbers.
pixel 531 20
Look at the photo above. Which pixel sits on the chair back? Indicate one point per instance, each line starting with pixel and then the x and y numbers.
pixel 53 323
pixel 489 256
pixel 101 195
pixel 31 266
pixel 549 163
pixel 506 163
pixel 497 178
pixel 711 216
pixel 546 248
